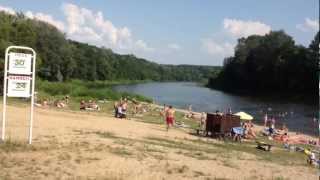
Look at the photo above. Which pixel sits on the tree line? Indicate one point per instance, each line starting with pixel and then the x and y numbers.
pixel 61 59
pixel 272 63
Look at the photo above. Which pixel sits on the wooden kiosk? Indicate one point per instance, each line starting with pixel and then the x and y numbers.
pixel 220 124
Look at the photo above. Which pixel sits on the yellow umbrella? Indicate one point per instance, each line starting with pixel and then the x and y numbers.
pixel 244 116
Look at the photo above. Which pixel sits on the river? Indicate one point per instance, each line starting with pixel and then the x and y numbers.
pixel 297 116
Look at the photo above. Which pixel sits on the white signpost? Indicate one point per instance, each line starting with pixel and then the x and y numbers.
pixel 19 80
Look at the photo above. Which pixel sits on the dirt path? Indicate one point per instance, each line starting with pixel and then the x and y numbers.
pixel 86 146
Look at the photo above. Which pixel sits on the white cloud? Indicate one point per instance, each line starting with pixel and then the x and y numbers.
pixel 308 25
pixel 240 28
pixel 174 46
pixel 218 49
pixel 141 45
pixel 7 10
pixel 46 18
pixel 91 27
pixel 222 45
pixel 87 26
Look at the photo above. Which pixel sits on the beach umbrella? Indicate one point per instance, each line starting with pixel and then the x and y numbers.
pixel 244 116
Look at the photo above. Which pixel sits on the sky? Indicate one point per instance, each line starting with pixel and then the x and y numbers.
pixel 173 31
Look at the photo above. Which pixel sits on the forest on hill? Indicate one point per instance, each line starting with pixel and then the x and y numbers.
pixel 61 59
pixel 271 64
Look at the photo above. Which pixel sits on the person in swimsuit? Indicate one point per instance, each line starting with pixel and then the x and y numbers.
pixel 83 105
pixel 170 117
pixel 124 107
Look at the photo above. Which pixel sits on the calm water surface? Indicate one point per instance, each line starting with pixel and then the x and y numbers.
pixel 299 117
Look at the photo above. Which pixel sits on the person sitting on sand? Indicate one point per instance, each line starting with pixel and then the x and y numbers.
pixel 120 113
pixel 59 104
pixel 83 105
pixel 92 105
pixel 248 132
pixel 170 117
pixel 245 129
pixel 124 106
pixel 137 106
pixel 115 106
pixel 66 99
pixel 45 103
pixel 251 134
pixel 95 106
pixel 312 158
pixel 272 127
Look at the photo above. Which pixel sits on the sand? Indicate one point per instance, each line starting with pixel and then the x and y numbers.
pixel 81 145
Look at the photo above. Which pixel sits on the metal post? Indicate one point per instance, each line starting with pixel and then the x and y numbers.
pixel 4 96
pixel 32 95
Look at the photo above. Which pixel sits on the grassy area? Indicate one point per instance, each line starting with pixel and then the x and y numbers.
pixel 201 149
pixel 15 146
pixel 153 117
pixel 78 90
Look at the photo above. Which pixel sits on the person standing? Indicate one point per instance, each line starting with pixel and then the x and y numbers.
pixel 265 120
pixel 163 112
pixel 203 119
pixel 170 117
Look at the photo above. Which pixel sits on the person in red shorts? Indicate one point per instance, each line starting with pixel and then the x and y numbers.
pixel 170 117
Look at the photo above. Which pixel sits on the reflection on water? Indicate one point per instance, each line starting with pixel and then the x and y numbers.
pixel 297 117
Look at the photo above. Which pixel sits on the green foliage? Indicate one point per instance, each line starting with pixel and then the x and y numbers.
pixel 270 63
pixel 61 59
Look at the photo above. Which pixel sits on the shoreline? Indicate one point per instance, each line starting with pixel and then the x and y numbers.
pixel 256 127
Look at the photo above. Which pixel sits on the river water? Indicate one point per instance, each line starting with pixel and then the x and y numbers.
pixel 297 116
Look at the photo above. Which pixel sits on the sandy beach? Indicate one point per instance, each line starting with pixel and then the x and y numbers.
pixel 81 145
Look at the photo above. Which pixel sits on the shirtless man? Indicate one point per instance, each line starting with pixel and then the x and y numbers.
pixel 170 116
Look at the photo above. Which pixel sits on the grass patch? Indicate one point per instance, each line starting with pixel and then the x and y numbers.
pixel 230 164
pixel 120 151
pixel 86 90
pixel 105 134
pixel 198 173
pixel 16 146
pixel 277 155
pixel 183 145
pixel 198 155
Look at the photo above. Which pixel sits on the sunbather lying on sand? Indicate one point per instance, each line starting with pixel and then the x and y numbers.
pixel 281 138
pixel 60 104
pixel 92 105
pixel 297 139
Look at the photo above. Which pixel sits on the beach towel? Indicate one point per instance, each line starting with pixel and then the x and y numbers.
pixel 238 130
